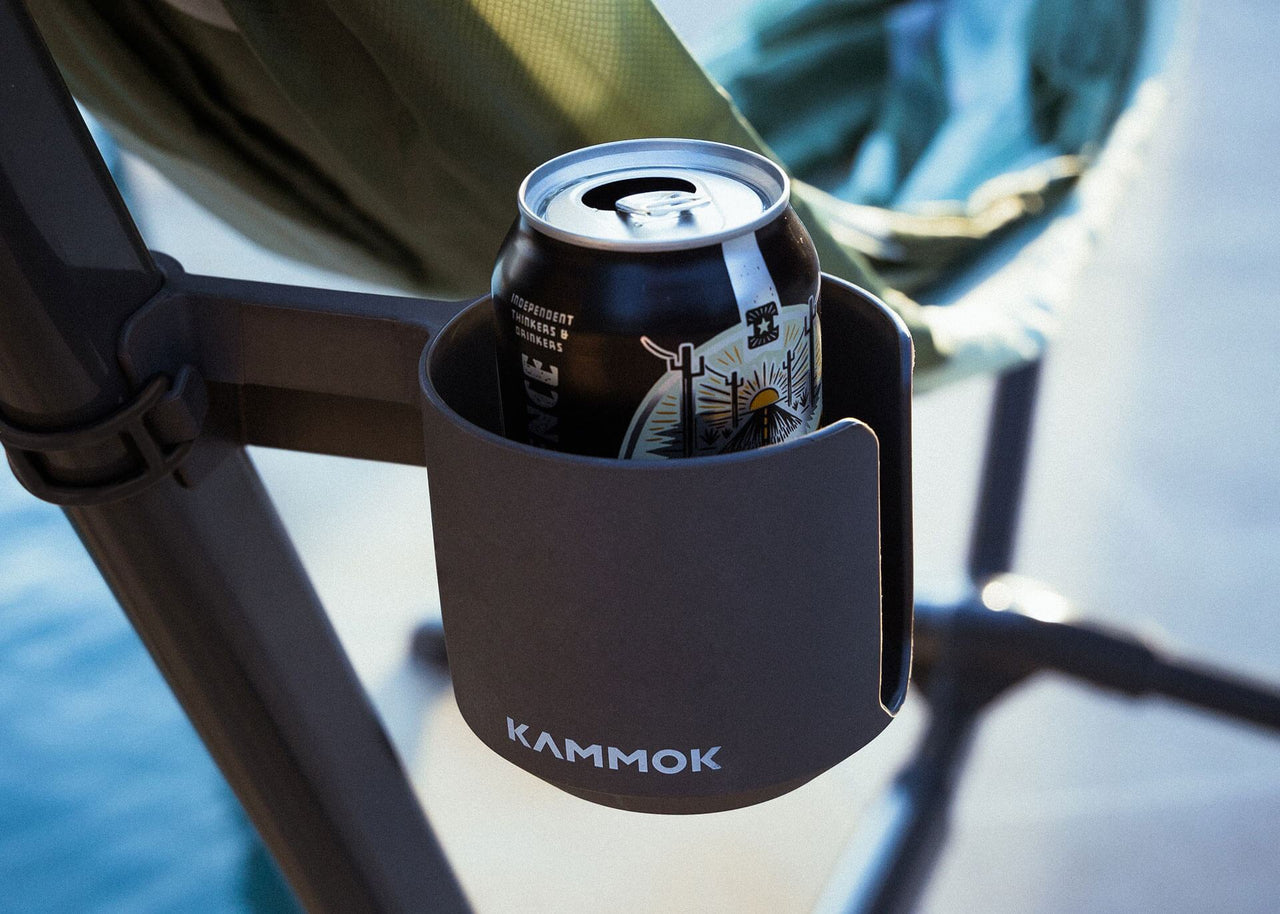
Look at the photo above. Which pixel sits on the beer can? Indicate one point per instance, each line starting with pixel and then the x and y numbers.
pixel 655 299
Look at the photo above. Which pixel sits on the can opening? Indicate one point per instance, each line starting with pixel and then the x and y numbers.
pixel 606 196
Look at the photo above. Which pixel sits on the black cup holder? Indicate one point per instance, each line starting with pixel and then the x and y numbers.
pixel 689 635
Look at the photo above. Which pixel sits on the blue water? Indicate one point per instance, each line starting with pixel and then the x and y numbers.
pixel 108 800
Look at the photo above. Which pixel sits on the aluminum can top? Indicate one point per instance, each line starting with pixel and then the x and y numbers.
pixel 654 195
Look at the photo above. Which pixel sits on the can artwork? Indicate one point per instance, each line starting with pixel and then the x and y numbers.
pixel 658 299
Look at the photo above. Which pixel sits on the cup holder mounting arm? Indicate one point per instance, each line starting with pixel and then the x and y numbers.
pixel 318 370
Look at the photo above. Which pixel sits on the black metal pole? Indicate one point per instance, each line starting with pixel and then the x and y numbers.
pixel 72 266
pixel 886 866
pixel 1004 470
pixel 207 576
pixel 211 582
pixel 994 649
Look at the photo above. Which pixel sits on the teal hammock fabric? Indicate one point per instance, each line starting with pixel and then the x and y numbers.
pixel 956 120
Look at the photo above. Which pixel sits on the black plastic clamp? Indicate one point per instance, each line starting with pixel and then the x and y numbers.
pixel 158 427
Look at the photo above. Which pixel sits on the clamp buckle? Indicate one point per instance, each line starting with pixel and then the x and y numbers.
pixel 159 427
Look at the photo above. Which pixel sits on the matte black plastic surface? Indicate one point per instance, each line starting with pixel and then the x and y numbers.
pixel 674 607
pixel 72 267
pixel 159 426
pixel 869 348
pixel 307 369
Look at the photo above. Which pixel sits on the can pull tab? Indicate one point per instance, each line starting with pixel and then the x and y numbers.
pixel 656 203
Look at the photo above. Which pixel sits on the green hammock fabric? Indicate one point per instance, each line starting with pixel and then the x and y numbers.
pixel 388 137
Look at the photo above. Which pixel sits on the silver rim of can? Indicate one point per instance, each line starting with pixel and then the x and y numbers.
pixel 759 173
